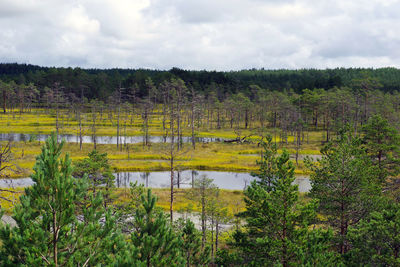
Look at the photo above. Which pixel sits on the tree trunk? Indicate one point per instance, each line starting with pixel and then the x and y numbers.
pixel 212 236
pixel 218 120
pixel 216 235
pixel 246 118
pixel 193 140
pixel 118 126
pixel 171 207
pixel 80 130
pixel 4 101
pixel 55 237
pixel 94 128
pixel 203 218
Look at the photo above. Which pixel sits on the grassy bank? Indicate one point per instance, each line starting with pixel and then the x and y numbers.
pixel 207 156
pixel 232 198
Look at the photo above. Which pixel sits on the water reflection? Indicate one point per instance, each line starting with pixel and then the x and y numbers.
pixel 70 138
pixel 182 179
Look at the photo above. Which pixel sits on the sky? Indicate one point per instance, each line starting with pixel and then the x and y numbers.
pixel 217 35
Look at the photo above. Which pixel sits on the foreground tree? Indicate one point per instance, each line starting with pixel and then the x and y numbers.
pixel 203 191
pixel 345 183
pixel 191 245
pixel 99 173
pixel 376 240
pixel 53 228
pixel 267 164
pixel 277 226
pixel 153 238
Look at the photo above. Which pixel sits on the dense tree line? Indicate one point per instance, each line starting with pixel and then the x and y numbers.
pixel 100 83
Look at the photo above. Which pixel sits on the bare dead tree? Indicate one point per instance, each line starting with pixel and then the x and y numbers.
pixel 58 99
pixel 7 167
pixel 193 102
pixel 94 104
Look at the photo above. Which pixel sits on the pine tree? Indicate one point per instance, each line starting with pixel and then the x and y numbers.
pixel 317 250
pixel 203 191
pixel 191 245
pixel 382 144
pixel 97 168
pixel 267 165
pixel 127 209
pixel 376 240
pixel 53 228
pixel 276 230
pixel 153 238
pixel 345 183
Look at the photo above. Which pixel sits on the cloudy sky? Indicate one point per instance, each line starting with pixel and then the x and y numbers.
pixel 201 34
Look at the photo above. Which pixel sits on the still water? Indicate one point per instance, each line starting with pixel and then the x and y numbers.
pixel 70 138
pixel 182 179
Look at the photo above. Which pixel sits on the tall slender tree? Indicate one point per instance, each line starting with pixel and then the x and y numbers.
pixel 382 144
pixel 277 226
pixel 345 183
pixel 153 237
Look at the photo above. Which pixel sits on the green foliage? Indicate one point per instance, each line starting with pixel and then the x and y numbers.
pixel 376 239
pixel 153 241
pixel 317 250
pixel 227 257
pixel 276 230
pixel 53 228
pixel 345 184
pixel 382 144
pixel 32 137
pixel 191 244
pixel 126 209
pixel 97 168
pixel 268 164
pixel 203 192
pixel 100 83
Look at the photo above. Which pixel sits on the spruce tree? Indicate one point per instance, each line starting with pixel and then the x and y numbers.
pixel 53 228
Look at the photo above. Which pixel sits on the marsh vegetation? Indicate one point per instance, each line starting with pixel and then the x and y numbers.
pixel 289 177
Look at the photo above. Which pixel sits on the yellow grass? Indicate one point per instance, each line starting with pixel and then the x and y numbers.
pixel 232 199
pixel 211 156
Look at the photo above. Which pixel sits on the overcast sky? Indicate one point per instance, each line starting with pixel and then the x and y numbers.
pixel 201 34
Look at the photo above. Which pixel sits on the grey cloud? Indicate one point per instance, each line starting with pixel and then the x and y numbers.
pixel 207 34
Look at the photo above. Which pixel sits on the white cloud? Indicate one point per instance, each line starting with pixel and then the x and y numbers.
pixel 207 34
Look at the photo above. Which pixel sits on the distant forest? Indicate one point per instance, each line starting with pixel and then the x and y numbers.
pixel 101 83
